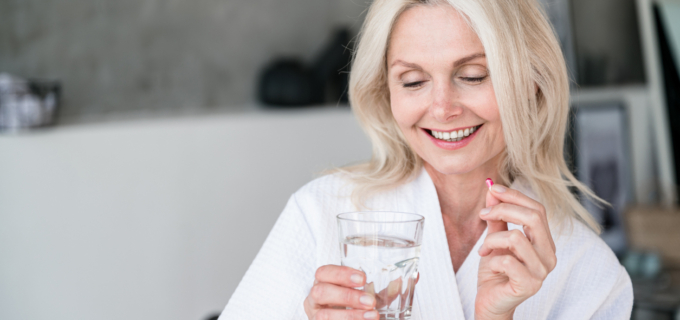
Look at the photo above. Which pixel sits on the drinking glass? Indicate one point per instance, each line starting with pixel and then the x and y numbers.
pixel 386 246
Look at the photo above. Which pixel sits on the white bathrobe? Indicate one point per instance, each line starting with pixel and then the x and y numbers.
pixel 587 283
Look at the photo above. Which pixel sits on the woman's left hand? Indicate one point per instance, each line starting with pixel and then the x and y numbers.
pixel 513 265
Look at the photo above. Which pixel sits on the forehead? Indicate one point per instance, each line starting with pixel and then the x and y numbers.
pixel 432 33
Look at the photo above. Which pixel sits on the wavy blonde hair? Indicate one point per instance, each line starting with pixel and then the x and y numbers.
pixel 523 54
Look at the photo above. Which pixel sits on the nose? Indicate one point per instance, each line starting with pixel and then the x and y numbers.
pixel 446 104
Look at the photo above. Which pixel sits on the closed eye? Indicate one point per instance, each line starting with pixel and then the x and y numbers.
pixel 469 79
pixel 413 84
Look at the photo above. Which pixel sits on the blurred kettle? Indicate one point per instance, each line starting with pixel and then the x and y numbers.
pixel 27 103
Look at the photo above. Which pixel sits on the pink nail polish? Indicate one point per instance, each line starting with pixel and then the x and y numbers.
pixel 489 182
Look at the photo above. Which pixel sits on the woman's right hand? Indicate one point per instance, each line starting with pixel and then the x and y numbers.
pixel 333 292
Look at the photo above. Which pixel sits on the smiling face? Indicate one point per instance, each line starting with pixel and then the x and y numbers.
pixel 441 94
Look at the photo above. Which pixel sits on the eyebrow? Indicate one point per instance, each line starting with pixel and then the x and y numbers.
pixel 455 64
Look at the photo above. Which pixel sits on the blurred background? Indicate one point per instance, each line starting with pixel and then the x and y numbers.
pixel 148 146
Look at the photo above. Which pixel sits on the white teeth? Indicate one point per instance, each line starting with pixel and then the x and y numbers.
pixel 454 135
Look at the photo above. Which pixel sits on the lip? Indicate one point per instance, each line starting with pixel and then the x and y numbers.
pixel 446 145
pixel 456 129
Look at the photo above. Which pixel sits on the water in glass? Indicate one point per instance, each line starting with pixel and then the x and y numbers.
pixel 390 265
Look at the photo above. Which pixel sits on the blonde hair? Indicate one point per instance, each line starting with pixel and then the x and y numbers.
pixel 522 53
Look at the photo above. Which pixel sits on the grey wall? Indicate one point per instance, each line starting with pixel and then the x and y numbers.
pixel 121 55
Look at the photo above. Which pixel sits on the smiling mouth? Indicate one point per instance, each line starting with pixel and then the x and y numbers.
pixel 453 136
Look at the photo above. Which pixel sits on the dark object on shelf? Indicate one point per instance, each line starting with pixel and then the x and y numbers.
pixel 289 82
pixel 213 317
pixel 642 265
pixel 27 103
pixel 331 67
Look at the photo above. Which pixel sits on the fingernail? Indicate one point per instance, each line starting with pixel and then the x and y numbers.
pixel 357 278
pixel 366 300
pixel 498 188
pixel 489 182
pixel 371 315
pixel 485 211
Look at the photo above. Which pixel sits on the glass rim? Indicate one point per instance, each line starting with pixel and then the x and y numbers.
pixel 414 217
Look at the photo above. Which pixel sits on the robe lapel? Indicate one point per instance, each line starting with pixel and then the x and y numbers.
pixel 436 295
pixel 466 278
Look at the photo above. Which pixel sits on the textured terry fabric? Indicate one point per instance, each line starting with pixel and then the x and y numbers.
pixel 587 283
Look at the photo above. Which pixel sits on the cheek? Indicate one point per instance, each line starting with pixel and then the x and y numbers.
pixel 487 107
pixel 405 110
pixel 493 116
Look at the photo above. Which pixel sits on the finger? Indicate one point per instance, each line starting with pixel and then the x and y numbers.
pixel 340 275
pixel 490 199
pixel 519 245
pixel 326 294
pixel 494 226
pixel 505 194
pixel 535 224
pixel 520 281
pixel 386 296
pixel 338 314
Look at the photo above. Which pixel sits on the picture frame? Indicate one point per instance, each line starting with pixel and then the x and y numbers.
pixel 600 158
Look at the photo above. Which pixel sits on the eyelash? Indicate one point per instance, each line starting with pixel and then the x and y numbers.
pixel 418 83
pixel 413 84
pixel 480 79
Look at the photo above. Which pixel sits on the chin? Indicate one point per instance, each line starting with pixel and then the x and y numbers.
pixel 453 167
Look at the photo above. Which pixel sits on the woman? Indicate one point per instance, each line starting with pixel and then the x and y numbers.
pixel 450 93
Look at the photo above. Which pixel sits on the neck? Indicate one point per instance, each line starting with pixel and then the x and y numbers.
pixel 462 196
